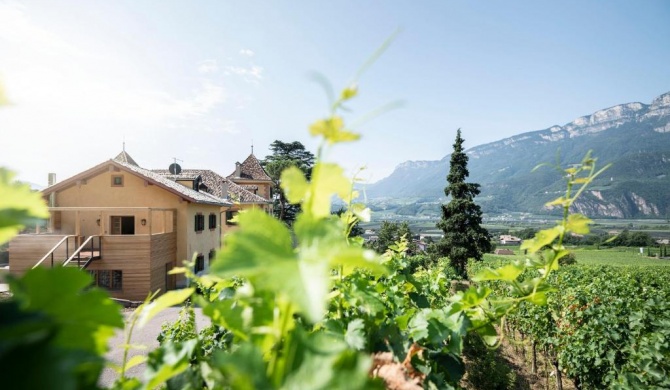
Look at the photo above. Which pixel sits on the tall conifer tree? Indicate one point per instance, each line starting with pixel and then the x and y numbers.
pixel 464 237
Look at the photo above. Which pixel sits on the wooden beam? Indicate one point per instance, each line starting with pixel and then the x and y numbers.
pixel 77 224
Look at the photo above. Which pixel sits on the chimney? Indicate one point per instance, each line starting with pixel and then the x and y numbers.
pixel 238 170
pixel 224 190
pixel 52 197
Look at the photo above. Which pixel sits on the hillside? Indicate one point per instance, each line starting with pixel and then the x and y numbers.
pixel 634 137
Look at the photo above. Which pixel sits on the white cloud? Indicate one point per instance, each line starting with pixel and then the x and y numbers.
pixel 247 53
pixel 208 66
pixel 207 97
pixel 252 74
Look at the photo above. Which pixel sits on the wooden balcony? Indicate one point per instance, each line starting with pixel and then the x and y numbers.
pixel 143 259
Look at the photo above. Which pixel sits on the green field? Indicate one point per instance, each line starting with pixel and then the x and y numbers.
pixel 614 256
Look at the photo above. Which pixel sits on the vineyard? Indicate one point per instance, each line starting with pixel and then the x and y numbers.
pixel 603 326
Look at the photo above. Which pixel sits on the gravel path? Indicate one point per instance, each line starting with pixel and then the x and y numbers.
pixel 144 336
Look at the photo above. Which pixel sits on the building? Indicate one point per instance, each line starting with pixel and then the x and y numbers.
pixel 129 226
pixel 249 186
pixel 506 239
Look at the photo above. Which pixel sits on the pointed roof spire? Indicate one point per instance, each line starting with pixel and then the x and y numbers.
pixel 125 157
pixel 250 169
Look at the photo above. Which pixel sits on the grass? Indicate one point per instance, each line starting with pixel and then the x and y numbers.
pixel 618 257
pixel 610 256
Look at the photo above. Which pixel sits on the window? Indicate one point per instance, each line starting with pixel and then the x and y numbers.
pixel 230 215
pixel 108 279
pixel 212 221
pixel 199 222
pixel 199 264
pixel 212 255
pixel 117 180
pixel 123 224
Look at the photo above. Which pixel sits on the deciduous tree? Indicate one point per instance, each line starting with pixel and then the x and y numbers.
pixel 389 233
pixel 285 155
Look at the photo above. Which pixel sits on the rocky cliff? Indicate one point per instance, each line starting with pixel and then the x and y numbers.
pixel 634 137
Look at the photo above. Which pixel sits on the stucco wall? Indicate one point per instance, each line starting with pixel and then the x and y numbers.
pixel 135 192
pixel 205 241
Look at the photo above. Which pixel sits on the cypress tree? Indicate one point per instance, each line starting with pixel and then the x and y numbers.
pixel 464 237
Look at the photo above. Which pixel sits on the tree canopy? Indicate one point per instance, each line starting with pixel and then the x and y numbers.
pixel 464 237
pixel 285 155
pixel 389 233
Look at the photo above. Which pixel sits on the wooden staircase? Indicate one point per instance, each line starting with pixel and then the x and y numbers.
pixel 81 257
pixel 85 254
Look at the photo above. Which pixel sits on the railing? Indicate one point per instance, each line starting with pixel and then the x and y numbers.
pixel 93 249
pixel 51 252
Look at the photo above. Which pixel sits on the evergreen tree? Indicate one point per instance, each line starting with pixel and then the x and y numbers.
pixel 464 237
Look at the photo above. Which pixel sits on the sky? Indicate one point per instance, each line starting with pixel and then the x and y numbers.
pixel 203 81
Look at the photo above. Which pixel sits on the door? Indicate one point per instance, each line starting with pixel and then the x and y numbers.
pixel 123 224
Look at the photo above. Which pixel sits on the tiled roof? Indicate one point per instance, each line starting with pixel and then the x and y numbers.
pixel 196 196
pixel 250 169
pixel 152 177
pixel 124 157
pixel 215 184
pixel 239 194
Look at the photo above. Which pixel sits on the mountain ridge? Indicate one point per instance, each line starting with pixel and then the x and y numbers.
pixel 633 136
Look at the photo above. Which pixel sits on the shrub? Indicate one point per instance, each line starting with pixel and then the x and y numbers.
pixel 569 259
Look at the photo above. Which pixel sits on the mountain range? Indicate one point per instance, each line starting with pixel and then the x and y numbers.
pixel 633 137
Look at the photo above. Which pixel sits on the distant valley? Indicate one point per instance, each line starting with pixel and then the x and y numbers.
pixel 634 137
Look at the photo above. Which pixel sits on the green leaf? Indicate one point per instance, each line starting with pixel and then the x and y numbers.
pixel 135 360
pixel 230 315
pixel 260 247
pixel 542 238
pixel 561 201
pixel 472 297
pixel 332 130
pixel 488 334
pixel 355 334
pixel 578 223
pixel 507 273
pixel 261 250
pixel 294 184
pixel 168 361
pixel 349 92
pixel 242 369
pixel 318 361
pixel 169 299
pixel 327 179
pixel 18 205
pixel 85 316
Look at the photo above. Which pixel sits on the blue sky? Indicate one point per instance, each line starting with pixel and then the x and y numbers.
pixel 200 80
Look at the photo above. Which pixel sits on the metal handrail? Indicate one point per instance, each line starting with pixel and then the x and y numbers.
pixel 78 251
pixel 51 252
